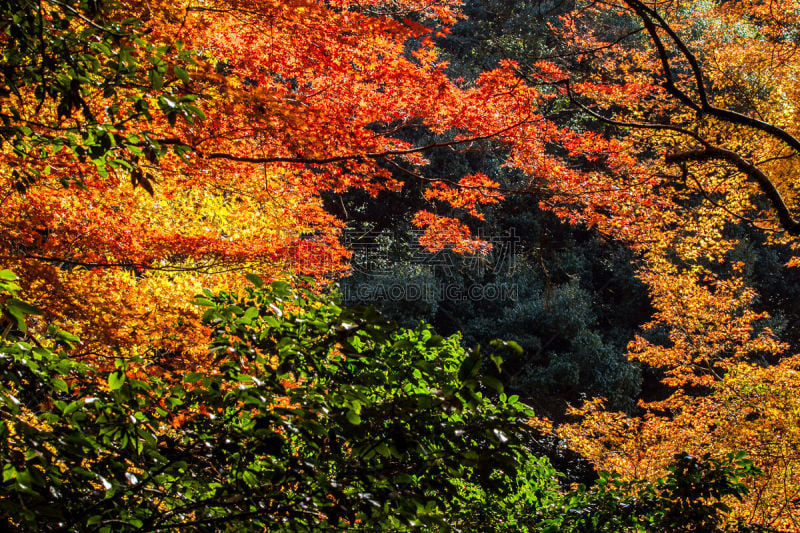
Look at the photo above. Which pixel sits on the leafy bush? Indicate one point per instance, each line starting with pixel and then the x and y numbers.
pixel 690 498
pixel 315 417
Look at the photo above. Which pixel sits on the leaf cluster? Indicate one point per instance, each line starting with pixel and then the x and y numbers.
pixel 80 76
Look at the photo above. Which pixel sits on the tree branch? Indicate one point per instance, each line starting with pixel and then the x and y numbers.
pixel 704 107
pixel 789 223
pixel 342 158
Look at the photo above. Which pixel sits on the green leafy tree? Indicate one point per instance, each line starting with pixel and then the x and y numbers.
pixel 316 417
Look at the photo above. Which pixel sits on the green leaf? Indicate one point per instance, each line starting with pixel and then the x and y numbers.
pixel 19 319
pixel 22 307
pixel 60 385
pixel 116 379
pixel 71 408
pixel 192 377
pixel 470 366
pixel 492 382
pixel 156 79
pixel 498 361
pixel 353 418
pixel 255 279
pixel 281 289
pixel 8 275
pixel 181 74
pixel 66 336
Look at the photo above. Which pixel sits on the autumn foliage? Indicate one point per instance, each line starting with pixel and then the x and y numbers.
pixel 154 149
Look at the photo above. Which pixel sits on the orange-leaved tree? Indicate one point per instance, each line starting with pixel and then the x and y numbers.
pixel 228 119
pixel 702 95
pixel 152 149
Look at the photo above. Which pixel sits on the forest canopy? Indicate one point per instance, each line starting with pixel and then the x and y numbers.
pixel 184 185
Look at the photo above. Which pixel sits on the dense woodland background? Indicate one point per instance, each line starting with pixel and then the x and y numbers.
pixel 203 206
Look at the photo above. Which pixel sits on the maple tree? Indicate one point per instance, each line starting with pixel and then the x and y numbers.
pixel 171 98
pixel 190 110
pixel 699 93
